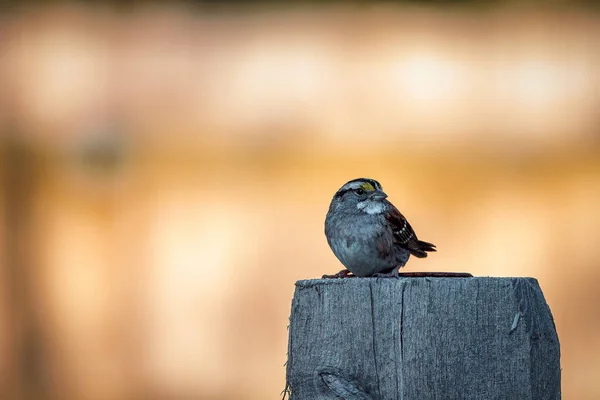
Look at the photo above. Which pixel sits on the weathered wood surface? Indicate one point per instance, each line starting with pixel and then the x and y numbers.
pixel 422 338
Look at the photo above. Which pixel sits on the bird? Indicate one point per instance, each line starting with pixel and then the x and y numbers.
pixel 368 234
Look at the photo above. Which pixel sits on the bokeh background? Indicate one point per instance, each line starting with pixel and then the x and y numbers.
pixel 165 170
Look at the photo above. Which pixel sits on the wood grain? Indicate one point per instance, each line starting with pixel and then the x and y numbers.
pixel 422 338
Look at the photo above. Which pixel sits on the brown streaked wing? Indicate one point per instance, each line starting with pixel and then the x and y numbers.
pixel 403 233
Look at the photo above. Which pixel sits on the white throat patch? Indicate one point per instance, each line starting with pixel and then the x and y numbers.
pixel 371 207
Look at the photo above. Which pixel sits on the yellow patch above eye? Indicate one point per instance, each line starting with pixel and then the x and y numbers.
pixel 367 186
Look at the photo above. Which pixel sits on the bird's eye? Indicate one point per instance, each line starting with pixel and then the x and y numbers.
pixel 360 192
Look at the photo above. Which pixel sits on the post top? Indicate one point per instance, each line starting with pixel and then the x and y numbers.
pixel 307 283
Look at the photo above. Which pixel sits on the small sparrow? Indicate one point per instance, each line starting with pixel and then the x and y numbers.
pixel 368 234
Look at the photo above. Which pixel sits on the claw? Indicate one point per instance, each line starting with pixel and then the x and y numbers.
pixel 392 274
pixel 342 274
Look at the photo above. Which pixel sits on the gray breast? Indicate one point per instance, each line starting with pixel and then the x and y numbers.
pixel 362 243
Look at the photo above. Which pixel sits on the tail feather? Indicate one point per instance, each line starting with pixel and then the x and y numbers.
pixel 426 246
pixel 422 248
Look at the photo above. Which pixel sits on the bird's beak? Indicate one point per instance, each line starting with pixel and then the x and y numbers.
pixel 378 195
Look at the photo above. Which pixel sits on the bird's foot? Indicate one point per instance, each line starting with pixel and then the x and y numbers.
pixel 392 274
pixel 342 274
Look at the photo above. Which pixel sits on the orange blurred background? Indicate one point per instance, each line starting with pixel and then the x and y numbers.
pixel 166 171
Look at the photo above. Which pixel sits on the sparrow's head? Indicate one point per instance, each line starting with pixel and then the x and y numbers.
pixel 361 194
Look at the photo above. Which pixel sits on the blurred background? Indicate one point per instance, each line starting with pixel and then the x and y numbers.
pixel 165 170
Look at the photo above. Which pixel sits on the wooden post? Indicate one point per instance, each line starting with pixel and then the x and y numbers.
pixel 422 338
